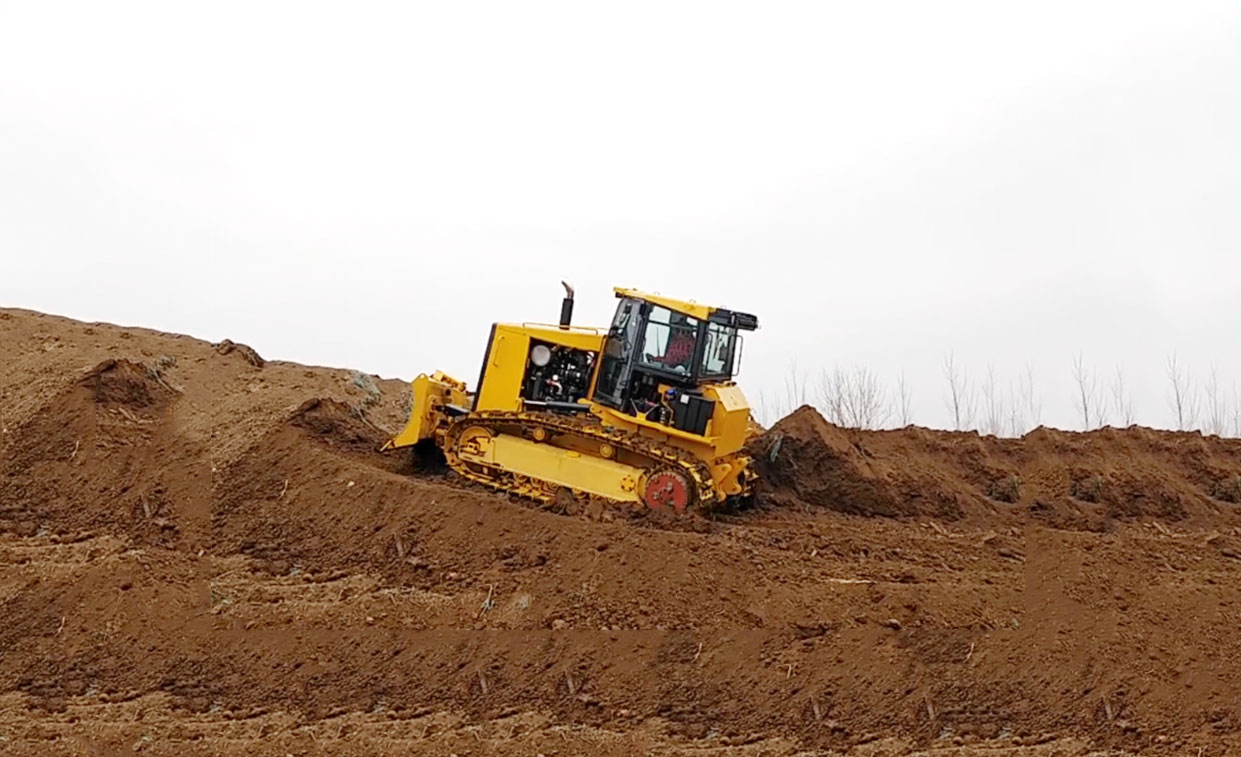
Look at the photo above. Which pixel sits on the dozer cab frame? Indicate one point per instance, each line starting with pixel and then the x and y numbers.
pixel 644 411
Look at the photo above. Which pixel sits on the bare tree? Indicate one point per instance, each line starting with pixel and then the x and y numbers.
pixel 765 410
pixel 794 388
pixel 1122 402
pixel 993 405
pixel 1181 397
pixel 1216 405
pixel 854 398
pixel 1016 421
pixel 1087 399
pixel 830 391
pixel 904 401
pixel 866 402
pixel 1029 397
pixel 1236 412
pixel 1100 407
pixel 961 399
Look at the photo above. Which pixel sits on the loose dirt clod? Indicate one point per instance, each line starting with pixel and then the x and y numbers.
pixel 247 353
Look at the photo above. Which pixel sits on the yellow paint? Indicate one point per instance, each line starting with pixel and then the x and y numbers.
pixel 562 467
pixel 688 307
pixel 730 422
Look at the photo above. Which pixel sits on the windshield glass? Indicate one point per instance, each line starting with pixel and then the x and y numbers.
pixel 670 340
pixel 717 358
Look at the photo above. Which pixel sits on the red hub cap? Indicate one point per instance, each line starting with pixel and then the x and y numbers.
pixel 666 490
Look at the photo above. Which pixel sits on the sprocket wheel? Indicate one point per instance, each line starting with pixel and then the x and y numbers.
pixel 667 489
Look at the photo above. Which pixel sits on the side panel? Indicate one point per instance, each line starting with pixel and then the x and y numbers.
pixel 499 386
pixel 504 367
pixel 482 371
pixel 730 421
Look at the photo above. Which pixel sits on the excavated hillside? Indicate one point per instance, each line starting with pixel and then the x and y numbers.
pixel 201 552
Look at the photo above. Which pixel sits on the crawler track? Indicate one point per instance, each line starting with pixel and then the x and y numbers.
pixel 646 455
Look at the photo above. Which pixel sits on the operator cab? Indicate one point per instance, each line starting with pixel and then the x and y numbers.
pixel 660 352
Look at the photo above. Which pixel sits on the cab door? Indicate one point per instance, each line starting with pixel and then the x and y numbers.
pixel 622 342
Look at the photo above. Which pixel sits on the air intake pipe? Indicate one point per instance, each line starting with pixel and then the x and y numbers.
pixel 566 306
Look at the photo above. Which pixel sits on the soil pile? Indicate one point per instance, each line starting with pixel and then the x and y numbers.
pixel 1059 478
pixel 202 552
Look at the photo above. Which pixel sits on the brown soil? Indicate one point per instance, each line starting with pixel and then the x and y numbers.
pixel 202 552
pixel 1056 478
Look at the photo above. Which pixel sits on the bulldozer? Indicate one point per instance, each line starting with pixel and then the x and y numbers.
pixel 644 412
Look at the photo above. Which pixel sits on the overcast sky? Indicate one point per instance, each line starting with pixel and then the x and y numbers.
pixel 882 183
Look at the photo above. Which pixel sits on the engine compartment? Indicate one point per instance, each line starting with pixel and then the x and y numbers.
pixel 556 373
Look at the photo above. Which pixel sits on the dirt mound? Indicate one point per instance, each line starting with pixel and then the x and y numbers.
pixel 805 460
pixel 108 437
pixel 1063 479
pixel 118 383
pixel 292 499
pixel 200 554
pixel 341 427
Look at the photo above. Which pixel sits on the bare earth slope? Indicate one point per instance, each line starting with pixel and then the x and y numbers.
pixel 1058 478
pixel 201 553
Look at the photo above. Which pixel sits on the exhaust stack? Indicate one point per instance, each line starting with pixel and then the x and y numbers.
pixel 566 306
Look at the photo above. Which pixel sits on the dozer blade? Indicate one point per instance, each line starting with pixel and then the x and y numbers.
pixel 434 399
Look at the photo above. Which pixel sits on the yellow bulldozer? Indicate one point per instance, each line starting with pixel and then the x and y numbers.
pixel 644 412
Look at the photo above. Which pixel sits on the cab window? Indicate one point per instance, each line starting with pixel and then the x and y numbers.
pixel 717 356
pixel 670 340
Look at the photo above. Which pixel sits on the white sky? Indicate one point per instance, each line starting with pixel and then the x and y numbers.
pixel 370 185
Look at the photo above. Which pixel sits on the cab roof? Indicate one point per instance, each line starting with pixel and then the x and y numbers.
pixel 693 309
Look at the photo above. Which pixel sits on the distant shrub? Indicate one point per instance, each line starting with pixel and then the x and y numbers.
pixel 1228 490
pixel 1088 489
pixel 1007 489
